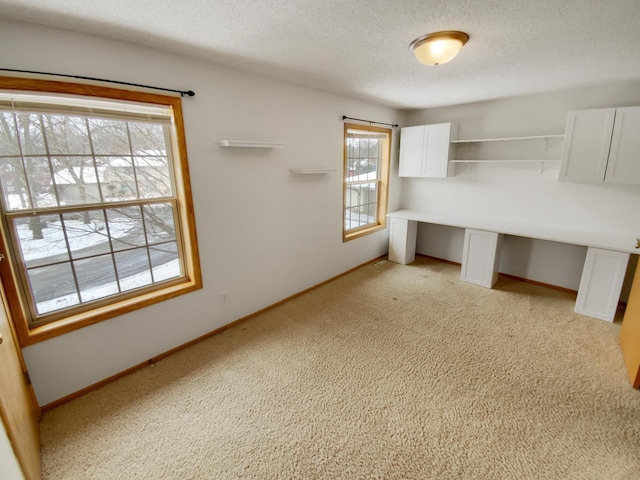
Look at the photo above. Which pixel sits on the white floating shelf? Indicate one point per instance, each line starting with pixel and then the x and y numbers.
pixel 307 171
pixel 505 161
pixel 507 139
pixel 242 143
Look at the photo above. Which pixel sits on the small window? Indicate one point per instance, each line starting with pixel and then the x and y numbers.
pixel 366 178
pixel 96 205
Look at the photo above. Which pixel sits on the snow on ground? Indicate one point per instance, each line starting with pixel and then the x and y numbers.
pixel 163 272
pixel 80 236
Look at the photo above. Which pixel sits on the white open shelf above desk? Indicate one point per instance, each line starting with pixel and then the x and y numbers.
pixel 510 139
pixel 471 151
pixel 506 161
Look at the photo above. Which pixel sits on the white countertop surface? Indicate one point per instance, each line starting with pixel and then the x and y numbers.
pixel 606 240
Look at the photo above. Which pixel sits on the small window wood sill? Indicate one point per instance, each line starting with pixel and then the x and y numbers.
pixel 362 232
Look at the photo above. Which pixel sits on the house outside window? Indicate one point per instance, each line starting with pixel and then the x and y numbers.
pixel 366 178
pixel 96 205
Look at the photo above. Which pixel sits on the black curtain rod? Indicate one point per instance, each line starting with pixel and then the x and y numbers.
pixel 344 117
pixel 182 93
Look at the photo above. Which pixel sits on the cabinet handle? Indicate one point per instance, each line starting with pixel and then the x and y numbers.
pixel 637 242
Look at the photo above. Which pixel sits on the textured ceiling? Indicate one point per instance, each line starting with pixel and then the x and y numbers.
pixel 360 47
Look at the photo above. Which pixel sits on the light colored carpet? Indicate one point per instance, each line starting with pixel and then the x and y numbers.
pixel 390 372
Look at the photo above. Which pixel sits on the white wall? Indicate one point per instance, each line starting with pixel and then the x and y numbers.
pixel 264 233
pixel 523 191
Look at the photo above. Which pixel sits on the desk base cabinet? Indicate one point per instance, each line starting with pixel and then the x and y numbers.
pixel 601 283
pixel 402 240
pixel 481 257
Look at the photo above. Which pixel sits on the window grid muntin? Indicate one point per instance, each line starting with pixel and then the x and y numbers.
pixel 38 318
pixel 168 151
pixel 22 159
pixel 49 160
pixel 93 157
pixel 371 210
pixel 357 152
pixel 133 162
pixel 61 208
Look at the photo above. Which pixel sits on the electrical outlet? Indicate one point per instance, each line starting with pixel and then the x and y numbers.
pixel 224 296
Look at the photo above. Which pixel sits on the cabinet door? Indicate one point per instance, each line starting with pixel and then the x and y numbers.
pixel 601 283
pixel 624 156
pixel 412 151
pixel 586 145
pixel 481 257
pixel 437 155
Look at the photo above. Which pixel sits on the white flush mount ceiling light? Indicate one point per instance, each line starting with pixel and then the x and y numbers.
pixel 438 47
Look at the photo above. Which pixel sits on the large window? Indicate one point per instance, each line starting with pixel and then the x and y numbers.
pixel 96 205
pixel 366 176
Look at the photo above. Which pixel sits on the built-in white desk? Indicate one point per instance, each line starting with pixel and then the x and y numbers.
pixel 603 272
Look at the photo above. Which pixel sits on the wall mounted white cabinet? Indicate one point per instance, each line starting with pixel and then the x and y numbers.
pixel 624 156
pixel 425 150
pixel 602 145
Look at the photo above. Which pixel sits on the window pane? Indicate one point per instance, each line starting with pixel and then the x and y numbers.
pixel 373 149
pixel 8 135
pixel 96 277
pixel 39 182
pixel 126 228
pixel 371 199
pixel 352 196
pixel 371 213
pixel 30 132
pixel 109 137
pixel 147 139
pixel 86 233
pixel 165 261
pixel 41 239
pixel 76 180
pixel 350 221
pixel 133 269
pixel 53 287
pixel 154 179
pixel 159 223
pixel 117 180
pixel 14 184
pixel 66 135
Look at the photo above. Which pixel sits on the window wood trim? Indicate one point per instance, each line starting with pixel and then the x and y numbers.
pixel 383 187
pixel 192 280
